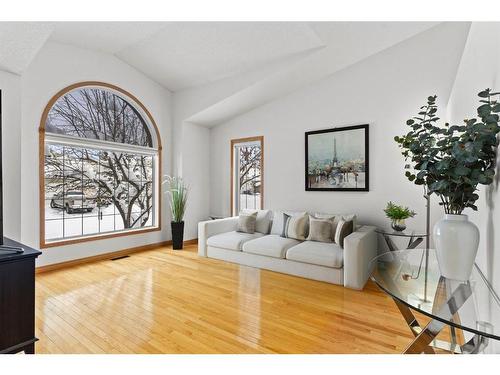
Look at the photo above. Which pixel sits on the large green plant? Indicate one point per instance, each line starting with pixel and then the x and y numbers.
pixel 452 160
pixel 177 192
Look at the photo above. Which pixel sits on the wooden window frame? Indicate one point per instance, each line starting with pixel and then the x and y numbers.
pixel 243 140
pixel 41 152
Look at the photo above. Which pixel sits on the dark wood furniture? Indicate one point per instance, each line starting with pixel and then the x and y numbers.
pixel 17 299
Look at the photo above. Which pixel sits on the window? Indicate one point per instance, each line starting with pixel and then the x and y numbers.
pixel 101 165
pixel 247 180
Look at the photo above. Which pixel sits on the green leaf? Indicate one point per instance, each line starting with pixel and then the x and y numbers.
pixel 484 110
pixel 489 172
pixel 484 94
pixel 461 170
pixel 443 165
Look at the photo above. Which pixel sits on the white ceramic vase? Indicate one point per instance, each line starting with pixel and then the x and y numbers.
pixel 456 240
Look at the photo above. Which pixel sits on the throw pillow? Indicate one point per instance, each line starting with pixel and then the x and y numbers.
pixel 297 227
pixel 344 228
pixel 264 220
pixel 247 222
pixel 321 230
pixel 338 217
pixel 286 217
pixel 277 220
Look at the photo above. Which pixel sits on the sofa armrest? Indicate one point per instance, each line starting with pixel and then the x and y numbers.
pixel 360 248
pixel 209 228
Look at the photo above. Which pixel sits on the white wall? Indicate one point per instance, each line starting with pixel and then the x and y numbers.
pixel 55 67
pixel 10 85
pixel 480 69
pixel 196 172
pixel 191 160
pixel 191 142
pixel 383 91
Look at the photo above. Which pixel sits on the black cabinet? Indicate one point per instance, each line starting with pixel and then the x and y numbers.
pixel 17 299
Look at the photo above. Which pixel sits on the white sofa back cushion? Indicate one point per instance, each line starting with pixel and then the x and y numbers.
pixel 264 219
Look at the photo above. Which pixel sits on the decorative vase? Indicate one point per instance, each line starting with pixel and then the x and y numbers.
pixel 177 235
pixel 398 225
pixel 456 240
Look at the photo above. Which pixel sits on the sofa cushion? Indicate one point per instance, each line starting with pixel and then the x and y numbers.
pixel 264 220
pixel 344 228
pixel 338 217
pixel 297 226
pixel 277 227
pixel 321 230
pixel 272 245
pixel 319 253
pixel 286 218
pixel 231 240
pixel 247 222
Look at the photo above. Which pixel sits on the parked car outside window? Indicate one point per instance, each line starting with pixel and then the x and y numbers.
pixel 72 202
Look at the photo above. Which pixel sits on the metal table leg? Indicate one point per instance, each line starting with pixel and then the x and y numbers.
pixel 412 243
pixel 412 323
pixel 446 312
pixel 389 243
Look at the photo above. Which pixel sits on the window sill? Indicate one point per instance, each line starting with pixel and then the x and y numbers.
pixel 57 243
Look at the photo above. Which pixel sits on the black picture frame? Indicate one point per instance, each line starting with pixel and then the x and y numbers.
pixel 367 158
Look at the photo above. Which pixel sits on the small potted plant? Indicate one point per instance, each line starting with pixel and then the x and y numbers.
pixel 178 193
pixel 398 215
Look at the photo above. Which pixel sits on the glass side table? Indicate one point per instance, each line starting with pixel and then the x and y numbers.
pixel 470 308
pixel 415 238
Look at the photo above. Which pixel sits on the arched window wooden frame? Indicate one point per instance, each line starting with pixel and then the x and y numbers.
pixel 41 144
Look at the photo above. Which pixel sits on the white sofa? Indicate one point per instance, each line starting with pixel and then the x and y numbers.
pixel 313 260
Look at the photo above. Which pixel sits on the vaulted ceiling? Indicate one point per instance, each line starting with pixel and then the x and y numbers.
pixel 180 55
pixel 278 56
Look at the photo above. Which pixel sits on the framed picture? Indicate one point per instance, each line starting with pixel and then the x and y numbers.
pixel 337 159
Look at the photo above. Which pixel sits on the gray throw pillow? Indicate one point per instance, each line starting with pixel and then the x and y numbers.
pixel 297 227
pixel 247 222
pixel 320 230
pixel 286 218
pixel 344 228
pixel 264 219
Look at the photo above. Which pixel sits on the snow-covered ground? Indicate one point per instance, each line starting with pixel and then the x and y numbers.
pixel 251 201
pixel 59 224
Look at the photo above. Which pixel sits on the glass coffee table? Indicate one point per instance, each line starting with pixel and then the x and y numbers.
pixel 471 309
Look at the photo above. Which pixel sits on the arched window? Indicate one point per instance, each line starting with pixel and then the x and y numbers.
pixel 99 167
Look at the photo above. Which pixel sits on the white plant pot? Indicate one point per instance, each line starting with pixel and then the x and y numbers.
pixel 456 240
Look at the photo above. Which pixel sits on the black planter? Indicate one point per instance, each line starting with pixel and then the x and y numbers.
pixel 177 235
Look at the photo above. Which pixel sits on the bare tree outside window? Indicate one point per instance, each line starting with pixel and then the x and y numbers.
pixel 91 189
pixel 98 114
pixel 248 175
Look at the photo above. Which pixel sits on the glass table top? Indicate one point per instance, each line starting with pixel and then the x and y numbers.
pixel 405 233
pixel 404 276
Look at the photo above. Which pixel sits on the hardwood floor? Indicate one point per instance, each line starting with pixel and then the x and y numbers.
pixel 165 301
